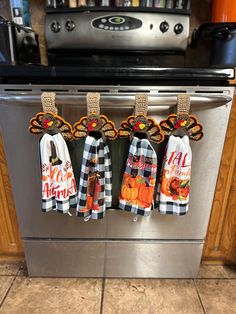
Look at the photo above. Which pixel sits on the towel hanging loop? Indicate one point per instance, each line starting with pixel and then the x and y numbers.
pixel 183 107
pixel 183 104
pixel 93 103
pixel 141 104
pixel 182 123
pixel 48 100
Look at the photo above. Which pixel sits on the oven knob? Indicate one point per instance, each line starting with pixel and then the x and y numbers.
pixel 178 28
pixel 70 25
pixel 55 27
pixel 164 26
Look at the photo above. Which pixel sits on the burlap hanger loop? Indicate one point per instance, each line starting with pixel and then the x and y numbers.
pixel 93 103
pixel 183 104
pixel 48 100
pixel 182 118
pixel 141 104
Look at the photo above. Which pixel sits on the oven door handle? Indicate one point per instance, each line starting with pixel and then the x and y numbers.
pixel 111 100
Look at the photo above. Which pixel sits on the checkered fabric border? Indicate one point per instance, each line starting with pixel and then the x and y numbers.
pixel 140 148
pixel 59 206
pixel 98 150
pixel 172 208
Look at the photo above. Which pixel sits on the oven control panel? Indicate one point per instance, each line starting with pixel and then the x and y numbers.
pixel 138 31
pixel 117 23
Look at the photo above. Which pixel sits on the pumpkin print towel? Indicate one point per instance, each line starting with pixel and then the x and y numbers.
pixel 94 193
pixel 139 179
pixel 58 183
pixel 175 178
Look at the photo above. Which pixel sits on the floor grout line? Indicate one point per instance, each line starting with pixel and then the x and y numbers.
pixel 8 290
pixel 215 278
pixel 8 275
pixel 102 296
pixel 199 297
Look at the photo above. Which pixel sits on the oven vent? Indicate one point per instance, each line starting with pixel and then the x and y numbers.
pixel 84 91
pixel 133 91
pixel 172 91
pixel 17 90
pixel 209 92
pixel 55 90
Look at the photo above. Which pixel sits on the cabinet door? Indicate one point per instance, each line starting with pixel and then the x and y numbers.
pixel 10 242
pixel 221 236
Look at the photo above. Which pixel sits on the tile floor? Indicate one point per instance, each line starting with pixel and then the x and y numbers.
pixel 214 291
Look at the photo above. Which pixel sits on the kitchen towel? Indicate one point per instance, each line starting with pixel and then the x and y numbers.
pixel 95 186
pixel 139 179
pixel 175 177
pixel 59 191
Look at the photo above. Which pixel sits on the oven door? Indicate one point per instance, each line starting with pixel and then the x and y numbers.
pixel 117 245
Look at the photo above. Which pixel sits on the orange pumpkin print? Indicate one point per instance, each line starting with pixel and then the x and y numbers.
pixel 131 182
pixel 145 194
pixel 129 193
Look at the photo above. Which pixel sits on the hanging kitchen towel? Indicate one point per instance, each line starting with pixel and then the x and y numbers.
pixel 94 193
pixel 175 178
pixel 95 186
pixel 139 179
pixel 58 183
pixel 138 184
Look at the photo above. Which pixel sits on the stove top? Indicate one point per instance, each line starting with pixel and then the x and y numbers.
pixel 144 75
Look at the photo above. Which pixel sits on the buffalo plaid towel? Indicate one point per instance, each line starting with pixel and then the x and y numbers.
pixel 58 183
pixel 139 179
pixel 94 193
pixel 175 178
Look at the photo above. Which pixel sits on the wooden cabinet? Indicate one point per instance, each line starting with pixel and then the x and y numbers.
pixel 10 242
pixel 221 237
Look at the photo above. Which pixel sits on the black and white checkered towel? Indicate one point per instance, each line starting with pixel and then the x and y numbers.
pixel 175 179
pixel 95 186
pixel 58 183
pixel 139 179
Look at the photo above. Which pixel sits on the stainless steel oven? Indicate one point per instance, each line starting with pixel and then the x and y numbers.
pixel 119 245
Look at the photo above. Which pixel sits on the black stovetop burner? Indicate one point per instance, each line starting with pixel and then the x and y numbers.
pixel 132 75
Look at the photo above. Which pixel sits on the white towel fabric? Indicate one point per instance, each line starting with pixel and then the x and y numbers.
pixel 59 191
pixel 95 187
pixel 175 178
